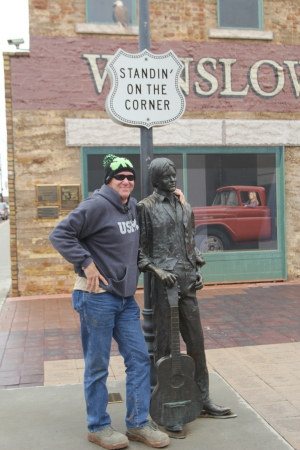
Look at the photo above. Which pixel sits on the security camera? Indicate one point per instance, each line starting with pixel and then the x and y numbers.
pixel 16 42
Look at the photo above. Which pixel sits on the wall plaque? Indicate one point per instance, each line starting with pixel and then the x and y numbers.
pixel 69 196
pixel 47 212
pixel 46 193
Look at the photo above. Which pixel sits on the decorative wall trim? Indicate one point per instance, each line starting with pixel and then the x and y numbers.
pixel 186 132
pixel 97 28
pixel 263 132
pixel 91 132
pixel 221 33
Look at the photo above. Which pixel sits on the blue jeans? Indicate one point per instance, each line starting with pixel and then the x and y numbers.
pixel 102 317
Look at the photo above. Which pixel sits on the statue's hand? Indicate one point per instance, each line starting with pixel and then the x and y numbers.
pixel 166 277
pixel 199 281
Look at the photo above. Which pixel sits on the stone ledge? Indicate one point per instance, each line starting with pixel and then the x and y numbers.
pixel 262 132
pixel 97 28
pixel 90 132
pixel 186 132
pixel 221 33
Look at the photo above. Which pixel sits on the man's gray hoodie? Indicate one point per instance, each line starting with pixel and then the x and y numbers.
pixel 104 230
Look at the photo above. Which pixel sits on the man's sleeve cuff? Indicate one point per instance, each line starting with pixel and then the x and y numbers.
pixel 86 262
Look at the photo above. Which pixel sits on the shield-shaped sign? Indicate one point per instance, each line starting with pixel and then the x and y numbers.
pixel 145 89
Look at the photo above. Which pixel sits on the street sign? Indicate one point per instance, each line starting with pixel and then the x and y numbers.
pixel 145 89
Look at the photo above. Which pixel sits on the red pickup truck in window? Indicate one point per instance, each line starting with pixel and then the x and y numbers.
pixel 230 220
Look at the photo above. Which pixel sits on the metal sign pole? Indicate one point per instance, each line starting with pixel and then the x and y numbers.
pixel 146 156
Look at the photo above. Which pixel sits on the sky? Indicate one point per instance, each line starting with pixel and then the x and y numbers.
pixel 13 25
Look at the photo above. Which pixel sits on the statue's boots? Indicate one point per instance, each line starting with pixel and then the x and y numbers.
pixel 174 428
pixel 214 410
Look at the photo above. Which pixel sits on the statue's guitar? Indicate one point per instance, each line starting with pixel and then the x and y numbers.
pixel 176 398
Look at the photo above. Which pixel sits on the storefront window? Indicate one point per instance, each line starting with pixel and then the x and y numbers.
pixel 233 196
pixel 237 195
pixel 234 201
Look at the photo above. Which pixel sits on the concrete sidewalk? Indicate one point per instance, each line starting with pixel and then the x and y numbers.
pixel 47 418
pixel 252 340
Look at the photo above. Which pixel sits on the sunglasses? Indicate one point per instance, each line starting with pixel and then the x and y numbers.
pixel 122 177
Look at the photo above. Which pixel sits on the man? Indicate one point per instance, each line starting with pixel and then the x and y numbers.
pixel 167 249
pixel 101 238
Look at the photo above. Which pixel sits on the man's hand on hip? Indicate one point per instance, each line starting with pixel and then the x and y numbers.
pixel 93 276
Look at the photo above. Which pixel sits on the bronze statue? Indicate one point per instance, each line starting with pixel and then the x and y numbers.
pixel 168 250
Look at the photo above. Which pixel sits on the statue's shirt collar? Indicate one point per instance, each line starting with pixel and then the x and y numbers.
pixel 163 198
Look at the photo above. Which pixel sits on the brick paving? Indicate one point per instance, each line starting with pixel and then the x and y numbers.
pixel 252 316
pixel 252 336
pixel 46 328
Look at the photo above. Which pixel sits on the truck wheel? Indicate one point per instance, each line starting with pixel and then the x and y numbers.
pixel 215 241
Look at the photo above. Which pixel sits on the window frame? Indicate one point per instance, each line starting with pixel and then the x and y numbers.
pixel 260 18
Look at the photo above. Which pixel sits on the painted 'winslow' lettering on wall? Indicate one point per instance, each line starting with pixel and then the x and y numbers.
pixel 266 77
pixel 64 74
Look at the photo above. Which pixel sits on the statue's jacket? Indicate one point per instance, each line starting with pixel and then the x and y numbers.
pixel 104 230
pixel 158 243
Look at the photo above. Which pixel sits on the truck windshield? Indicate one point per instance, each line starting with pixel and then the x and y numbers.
pixel 226 198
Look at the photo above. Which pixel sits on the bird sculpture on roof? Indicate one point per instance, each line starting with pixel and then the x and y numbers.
pixel 120 14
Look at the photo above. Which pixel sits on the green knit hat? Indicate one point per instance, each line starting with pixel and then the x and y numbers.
pixel 115 164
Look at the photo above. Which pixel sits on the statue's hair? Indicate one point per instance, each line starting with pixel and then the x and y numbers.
pixel 157 167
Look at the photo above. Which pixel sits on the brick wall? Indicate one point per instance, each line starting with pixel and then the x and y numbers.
pixel 191 20
pixel 282 17
pixel 170 20
pixel 37 153
pixel 41 157
pixel 55 17
pixel 292 189
pixel 11 174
